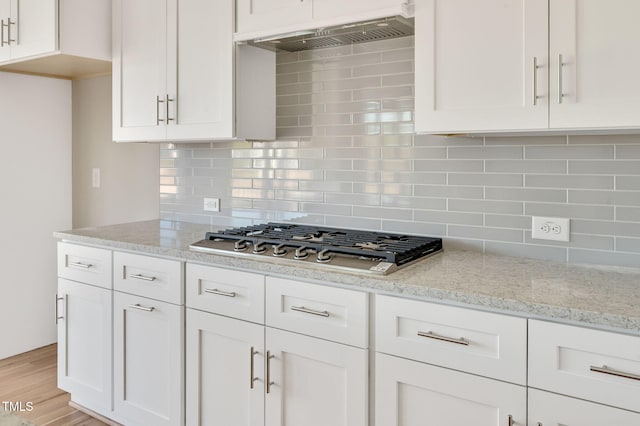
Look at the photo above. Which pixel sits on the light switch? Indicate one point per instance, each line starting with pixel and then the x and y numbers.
pixel 95 177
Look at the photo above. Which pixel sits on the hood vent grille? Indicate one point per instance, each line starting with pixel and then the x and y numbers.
pixel 360 32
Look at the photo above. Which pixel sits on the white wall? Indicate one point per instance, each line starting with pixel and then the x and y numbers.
pixel 129 172
pixel 35 192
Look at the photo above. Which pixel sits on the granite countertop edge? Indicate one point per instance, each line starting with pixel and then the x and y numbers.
pixel 400 283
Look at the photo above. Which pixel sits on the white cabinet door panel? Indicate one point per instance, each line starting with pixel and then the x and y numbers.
pixel 200 82
pixel 36 27
pixel 148 361
pixel 224 355
pixel 315 382
pixel 84 344
pixel 475 65
pixel 598 42
pixel 139 69
pixel 410 393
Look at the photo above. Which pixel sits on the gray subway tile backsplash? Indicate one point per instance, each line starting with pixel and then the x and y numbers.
pixel 346 156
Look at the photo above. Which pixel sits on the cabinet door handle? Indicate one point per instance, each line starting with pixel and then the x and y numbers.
pixel 142 308
pixel 432 335
pixel 536 67
pixel 560 73
pixel 310 311
pixel 9 39
pixel 220 292
pixel 2 25
pixel 158 119
pixel 606 370
pixel 168 99
pixel 58 299
pixel 252 354
pixel 510 420
pixel 80 265
pixel 269 382
pixel 142 277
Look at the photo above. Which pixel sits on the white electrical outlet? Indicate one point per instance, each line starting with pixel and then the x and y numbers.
pixel 212 204
pixel 550 228
pixel 95 177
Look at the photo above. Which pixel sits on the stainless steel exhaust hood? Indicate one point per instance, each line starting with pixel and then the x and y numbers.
pixel 359 32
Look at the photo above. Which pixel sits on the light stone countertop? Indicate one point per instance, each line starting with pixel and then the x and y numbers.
pixel 604 297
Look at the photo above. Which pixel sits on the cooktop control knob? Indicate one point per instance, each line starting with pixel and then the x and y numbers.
pixel 301 253
pixel 324 256
pixel 240 245
pixel 279 250
pixel 259 247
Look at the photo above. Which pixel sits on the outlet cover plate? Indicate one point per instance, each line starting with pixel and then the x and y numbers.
pixel 212 204
pixel 550 228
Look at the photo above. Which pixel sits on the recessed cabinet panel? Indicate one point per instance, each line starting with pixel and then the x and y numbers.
pixel 410 393
pixel 225 371
pixel 200 84
pixel 139 73
pixel 481 65
pixel 148 361
pixel 35 29
pixel 596 84
pixel 315 382
pixel 84 344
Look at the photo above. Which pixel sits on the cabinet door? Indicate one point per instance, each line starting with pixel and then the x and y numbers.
pixel 552 409
pixel 34 27
pixel 225 371
pixel 139 70
pixel 200 69
pixel 5 15
pixel 597 83
pixel 256 15
pixel 84 344
pixel 409 393
pixel 474 65
pixel 148 361
pixel 314 382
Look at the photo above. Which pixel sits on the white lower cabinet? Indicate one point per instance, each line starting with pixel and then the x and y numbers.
pixel 551 409
pixel 225 371
pixel 84 344
pixel 314 382
pixel 148 361
pixel 411 393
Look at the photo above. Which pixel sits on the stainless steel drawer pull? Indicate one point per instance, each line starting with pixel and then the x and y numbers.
pixel 80 265
pixel 432 335
pixel 142 277
pixel 220 292
pixel 560 88
pixel 535 80
pixel 58 299
pixel 510 420
pixel 310 311
pixel 142 308
pixel 606 370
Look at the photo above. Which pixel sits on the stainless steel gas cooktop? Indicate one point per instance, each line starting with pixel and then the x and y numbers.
pixel 364 251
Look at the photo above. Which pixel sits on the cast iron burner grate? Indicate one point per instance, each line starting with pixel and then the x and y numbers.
pixel 393 248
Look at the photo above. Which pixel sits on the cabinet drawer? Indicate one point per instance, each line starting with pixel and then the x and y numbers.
pixel 547 408
pixel 482 343
pixel 590 364
pixel 89 265
pixel 326 312
pixel 147 276
pixel 227 292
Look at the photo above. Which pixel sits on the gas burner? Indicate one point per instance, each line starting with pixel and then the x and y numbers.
pixel 374 252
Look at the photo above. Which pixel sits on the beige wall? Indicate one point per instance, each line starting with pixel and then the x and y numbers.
pixel 129 172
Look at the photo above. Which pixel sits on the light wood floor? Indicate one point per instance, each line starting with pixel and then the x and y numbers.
pixel 32 377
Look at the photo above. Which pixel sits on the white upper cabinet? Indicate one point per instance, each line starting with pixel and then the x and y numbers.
pixel 475 65
pixel 264 18
pixel 506 65
pixel 179 77
pixel 70 38
pixel 596 85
